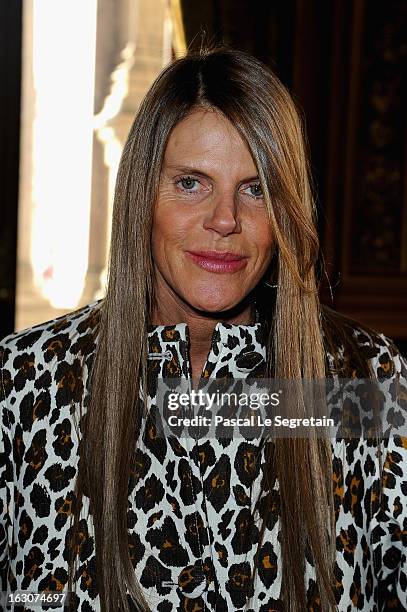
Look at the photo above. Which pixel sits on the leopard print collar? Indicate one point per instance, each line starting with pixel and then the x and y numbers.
pixel 234 349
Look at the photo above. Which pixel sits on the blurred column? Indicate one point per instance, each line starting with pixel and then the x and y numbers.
pixel 56 156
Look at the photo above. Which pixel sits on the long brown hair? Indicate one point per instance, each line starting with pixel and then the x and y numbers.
pixel 261 109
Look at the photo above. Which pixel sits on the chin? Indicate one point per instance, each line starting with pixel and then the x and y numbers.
pixel 215 298
pixel 214 306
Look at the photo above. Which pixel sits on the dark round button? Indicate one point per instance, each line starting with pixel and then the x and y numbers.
pixel 192 580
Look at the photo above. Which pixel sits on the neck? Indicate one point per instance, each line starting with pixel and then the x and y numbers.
pixel 169 309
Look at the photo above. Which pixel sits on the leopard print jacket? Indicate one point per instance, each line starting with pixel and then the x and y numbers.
pixel 192 520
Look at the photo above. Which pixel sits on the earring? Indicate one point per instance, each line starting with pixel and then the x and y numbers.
pixel 268 284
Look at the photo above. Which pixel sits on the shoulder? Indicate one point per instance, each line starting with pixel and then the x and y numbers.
pixel 39 338
pixel 38 351
pixel 355 350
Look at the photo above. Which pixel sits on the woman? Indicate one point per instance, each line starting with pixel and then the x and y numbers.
pixel 212 275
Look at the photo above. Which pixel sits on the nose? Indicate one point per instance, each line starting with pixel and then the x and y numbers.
pixel 223 216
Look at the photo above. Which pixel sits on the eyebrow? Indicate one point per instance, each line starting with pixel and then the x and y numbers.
pixel 192 170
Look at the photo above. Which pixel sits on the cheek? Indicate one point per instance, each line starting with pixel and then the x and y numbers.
pixel 169 231
pixel 260 236
pixel 162 222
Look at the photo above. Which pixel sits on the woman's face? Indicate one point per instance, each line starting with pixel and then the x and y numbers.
pixel 209 204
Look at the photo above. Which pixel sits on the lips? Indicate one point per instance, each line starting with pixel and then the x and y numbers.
pixel 218 261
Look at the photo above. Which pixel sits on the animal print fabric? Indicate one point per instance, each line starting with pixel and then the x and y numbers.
pixel 193 519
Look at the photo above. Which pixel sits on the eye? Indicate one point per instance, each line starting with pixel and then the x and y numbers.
pixel 187 183
pixel 254 190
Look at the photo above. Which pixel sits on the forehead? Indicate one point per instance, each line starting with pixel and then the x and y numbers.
pixel 206 137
